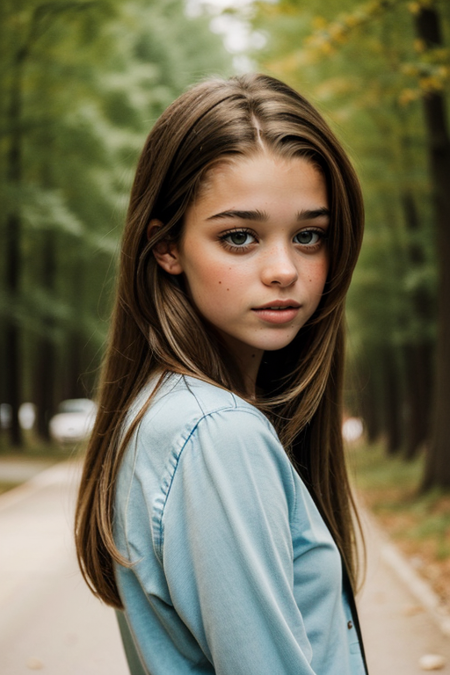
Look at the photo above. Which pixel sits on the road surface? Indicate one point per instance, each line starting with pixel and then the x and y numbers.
pixel 50 622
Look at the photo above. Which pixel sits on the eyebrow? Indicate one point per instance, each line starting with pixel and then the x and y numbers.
pixel 309 214
pixel 243 215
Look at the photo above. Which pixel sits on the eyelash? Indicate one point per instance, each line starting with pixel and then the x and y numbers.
pixel 235 248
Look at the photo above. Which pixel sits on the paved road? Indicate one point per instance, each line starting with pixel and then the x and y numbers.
pixel 49 621
pixel 398 630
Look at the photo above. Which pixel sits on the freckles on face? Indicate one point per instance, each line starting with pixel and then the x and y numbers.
pixel 253 249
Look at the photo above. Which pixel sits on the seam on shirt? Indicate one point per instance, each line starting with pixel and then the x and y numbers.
pixel 176 457
pixel 293 474
pixel 136 451
pixel 255 413
pixel 188 387
pixel 133 475
pixel 192 392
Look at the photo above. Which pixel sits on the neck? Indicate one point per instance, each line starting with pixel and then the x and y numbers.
pixel 249 371
pixel 248 361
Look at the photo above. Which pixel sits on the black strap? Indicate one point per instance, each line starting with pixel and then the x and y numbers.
pixel 351 601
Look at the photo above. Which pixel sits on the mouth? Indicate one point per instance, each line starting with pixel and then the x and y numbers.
pixel 278 305
pixel 278 311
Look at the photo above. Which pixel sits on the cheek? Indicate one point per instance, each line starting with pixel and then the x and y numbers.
pixel 208 278
pixel 317 275
pixel 206 284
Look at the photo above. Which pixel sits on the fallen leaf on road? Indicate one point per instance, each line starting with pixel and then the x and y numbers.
pixel 432 662
pixel 35 664
pixel 412 610
pixel 445 625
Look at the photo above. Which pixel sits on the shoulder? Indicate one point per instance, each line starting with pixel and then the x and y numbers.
pixel 185 404
pixel 197 443
pixel 220 433
pixel 193 423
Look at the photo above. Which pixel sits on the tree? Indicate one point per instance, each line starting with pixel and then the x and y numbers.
pixel 437 470
pixel 369 69
pixel 83 81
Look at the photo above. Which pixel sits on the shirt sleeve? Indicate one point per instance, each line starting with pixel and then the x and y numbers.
pixel 227 551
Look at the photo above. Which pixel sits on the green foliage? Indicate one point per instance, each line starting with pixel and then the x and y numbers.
pixel 362 65
pixel 390 488
pixel 81 83
pixel 383 478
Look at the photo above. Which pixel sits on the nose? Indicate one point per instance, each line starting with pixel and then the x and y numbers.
pixel 279 268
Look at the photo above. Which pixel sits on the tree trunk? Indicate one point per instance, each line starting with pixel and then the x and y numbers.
pixel 418 352
pixel 45 371
pixel 418 362
pixel 437 468
pixel 74 386
pixel 392 403
pixel 13 376
pixel 369 406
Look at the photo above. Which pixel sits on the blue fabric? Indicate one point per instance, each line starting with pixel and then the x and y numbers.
pixel 234 571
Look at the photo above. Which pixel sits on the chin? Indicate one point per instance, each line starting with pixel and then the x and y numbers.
pixel 274 346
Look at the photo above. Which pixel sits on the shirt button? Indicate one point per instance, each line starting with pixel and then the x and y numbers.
pixel 349 625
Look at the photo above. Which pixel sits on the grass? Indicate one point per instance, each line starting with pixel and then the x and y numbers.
pixel 36 455
pixel 35 448
pixel 7 485
pixel 418 522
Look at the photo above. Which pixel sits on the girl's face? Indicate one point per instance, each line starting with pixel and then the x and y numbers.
pixel 253 252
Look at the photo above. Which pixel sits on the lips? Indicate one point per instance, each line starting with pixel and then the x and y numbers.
pixel 279 305
pixel 278 311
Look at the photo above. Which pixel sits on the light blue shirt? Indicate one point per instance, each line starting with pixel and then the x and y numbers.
pixel 233 569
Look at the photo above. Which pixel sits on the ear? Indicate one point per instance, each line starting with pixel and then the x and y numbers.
pixel 165 251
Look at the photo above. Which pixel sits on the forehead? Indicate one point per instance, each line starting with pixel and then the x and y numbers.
pixel 262 177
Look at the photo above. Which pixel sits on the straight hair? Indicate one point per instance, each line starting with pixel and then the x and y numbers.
pixel 156 330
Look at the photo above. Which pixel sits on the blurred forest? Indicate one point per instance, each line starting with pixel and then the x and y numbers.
pixel 380 72
pixel 81 84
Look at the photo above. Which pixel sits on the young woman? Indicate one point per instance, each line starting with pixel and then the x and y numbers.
pixel 214 510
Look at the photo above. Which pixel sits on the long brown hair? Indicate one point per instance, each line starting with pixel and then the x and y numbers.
pixel 155 328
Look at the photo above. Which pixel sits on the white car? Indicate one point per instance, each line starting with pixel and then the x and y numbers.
pixel 74 420
pixel 27 415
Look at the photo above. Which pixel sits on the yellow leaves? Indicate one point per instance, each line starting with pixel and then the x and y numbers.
pixel 414 7
pixel 443 72
pixel 337 32
pixel 408 96
pixel 353 20
pixel 410 69
pixel 431 72
pixel 427 71
pixel 431 84
pixel 267 10
pixel 328 36
pixel 374 7
pixel 325 41
pixel 417 5
pixel 419 46
pixel 319 23
pixel 290 63
pixel 434 80
pixel 336 86
pixel 439 55
pixel 327 48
